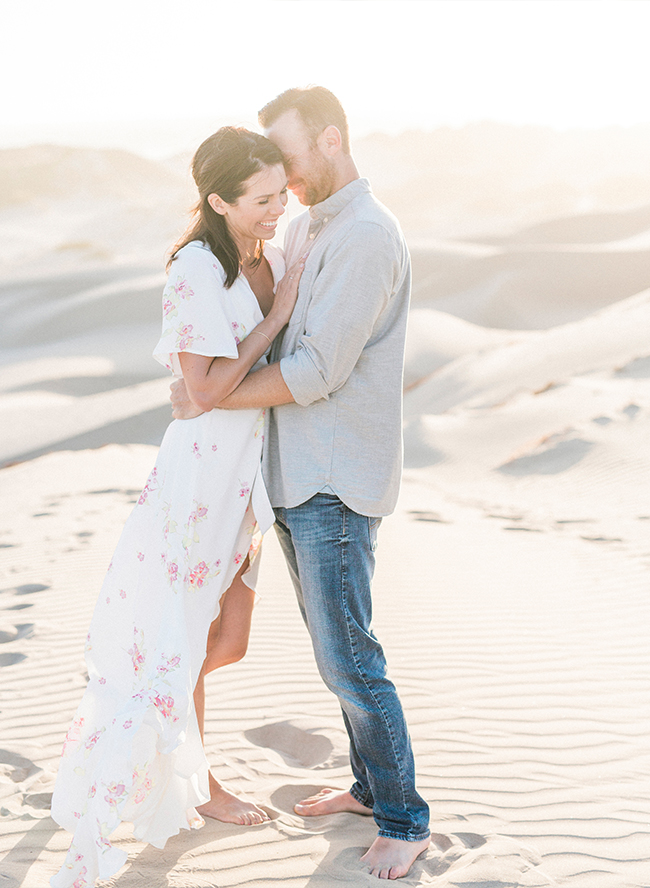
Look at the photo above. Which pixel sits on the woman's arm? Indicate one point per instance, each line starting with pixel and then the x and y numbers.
pixel 209 380
pixel 264 388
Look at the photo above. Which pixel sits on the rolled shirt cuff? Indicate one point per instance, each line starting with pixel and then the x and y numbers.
pixel 303 379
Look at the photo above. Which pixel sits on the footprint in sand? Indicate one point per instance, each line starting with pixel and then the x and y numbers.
pixel 297 744
pixel 29 588
pixel 11 659
pixel 25 589
pixel 475 861
pixel 639 368
pixel 471 840
pixel 551 458
pixel 521 527
pixel 420 515
pixel 22 630
pixel 564 521
pixel 16 767
pixel 42 801
pixel 631 410
pixel 502 517
pixel 128 491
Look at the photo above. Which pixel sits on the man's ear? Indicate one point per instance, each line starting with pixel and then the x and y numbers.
pixel 330 141
pixel 218 205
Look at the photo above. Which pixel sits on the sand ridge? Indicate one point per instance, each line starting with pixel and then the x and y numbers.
pixel 511 589
pixel 524 697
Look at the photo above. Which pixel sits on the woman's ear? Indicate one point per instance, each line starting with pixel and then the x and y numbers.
pixel 218 205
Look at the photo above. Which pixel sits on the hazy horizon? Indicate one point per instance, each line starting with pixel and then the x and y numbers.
pixel 160 140
pixel 151 78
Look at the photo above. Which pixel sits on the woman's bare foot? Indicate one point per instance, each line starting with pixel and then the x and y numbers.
pixel 392 858
pixel 330 801
pixel 225 806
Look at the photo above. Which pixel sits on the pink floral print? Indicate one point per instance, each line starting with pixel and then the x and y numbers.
pixel 186 337
pixel 143 791
pixel 200 573
pixel 80 881
pixel 168 664
pixel 74 733
pixel 115 792
pixel 191 530
pixel 198 576
pixel 138 656
pixel 199 513
pixel 152 484
pixel 183 289
pixel 165 705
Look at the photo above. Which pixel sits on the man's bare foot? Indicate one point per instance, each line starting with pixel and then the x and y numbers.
pixel 330 801
pixel 225 806
pixel 392 858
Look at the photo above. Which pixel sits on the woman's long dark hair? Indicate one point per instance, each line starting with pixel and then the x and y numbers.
pixel 222 165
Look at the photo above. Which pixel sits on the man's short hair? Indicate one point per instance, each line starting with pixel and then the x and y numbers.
pixel 317 107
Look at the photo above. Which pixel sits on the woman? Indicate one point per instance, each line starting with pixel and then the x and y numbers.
pixel 178 596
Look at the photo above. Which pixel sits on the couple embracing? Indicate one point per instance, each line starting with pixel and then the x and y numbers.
pixel 316 334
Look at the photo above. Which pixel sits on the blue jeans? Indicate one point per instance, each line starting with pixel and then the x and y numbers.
pixel 330 554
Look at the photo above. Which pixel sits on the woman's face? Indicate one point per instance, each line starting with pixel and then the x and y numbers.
pixel 255 215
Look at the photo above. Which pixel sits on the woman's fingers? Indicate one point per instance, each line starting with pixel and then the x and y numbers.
pixel 297 268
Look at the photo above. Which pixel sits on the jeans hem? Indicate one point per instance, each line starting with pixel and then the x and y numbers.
pixel 387 834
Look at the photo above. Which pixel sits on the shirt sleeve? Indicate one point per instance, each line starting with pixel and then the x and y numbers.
pixel 348 296
pixel 194 319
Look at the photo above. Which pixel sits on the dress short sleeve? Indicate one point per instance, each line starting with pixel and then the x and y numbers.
pixel 194 315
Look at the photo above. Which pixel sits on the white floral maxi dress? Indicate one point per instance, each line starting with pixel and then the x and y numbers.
pixel 134 751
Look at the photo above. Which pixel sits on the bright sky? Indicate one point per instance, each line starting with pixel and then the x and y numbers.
pixel 156 75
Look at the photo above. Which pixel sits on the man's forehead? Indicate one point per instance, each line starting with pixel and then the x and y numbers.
pixel 288 129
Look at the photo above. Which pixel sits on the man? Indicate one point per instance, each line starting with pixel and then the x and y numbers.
pixel 333 453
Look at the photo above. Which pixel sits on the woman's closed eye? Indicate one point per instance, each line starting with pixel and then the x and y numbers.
pixel 266 200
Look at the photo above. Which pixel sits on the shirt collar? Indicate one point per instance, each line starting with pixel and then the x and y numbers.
pixel 328 208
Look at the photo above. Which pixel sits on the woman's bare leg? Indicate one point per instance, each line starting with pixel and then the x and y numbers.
pixel 227 643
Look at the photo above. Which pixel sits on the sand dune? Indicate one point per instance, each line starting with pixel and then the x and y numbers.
pixel 527 289
pixel 584 228
pixel 511 592
pixel 493 179
pixel 77 362
pixel 63 207
pixel 523 695
pixel 609 340
pixel 435 338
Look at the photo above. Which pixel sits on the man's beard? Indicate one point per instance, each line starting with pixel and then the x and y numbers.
pixel 320 184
